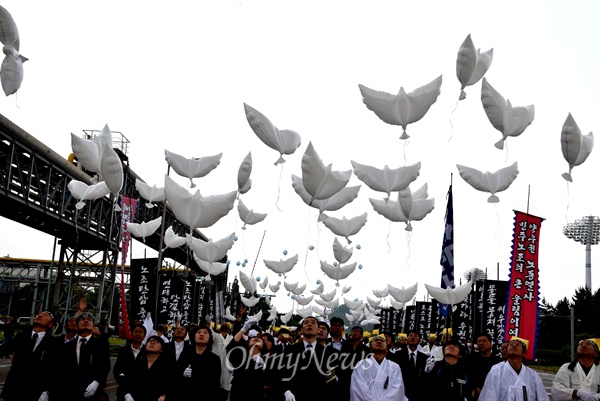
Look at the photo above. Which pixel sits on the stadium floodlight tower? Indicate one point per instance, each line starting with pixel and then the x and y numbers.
pixel 586 231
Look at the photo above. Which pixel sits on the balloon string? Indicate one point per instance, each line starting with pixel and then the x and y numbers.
pixel 387 238
pixel 497 225
pixel 568 202
pixel 408 240
pixel 307 245
pixel 452 125
pixel 279 188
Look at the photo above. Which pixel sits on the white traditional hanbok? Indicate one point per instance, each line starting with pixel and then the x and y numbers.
pixel 503 383
pixel 571 376
pixel 377 381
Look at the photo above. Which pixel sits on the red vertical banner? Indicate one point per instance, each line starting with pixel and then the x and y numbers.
pixel 128 206
pixel 522 308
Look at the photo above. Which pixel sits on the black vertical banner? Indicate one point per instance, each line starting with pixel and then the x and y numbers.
pixel 410 321
pixel 477 305
pixel 384 318
pixel 219 308
pixel 422 318
pixel 462 322
pixel 494 304
pixel 142 287
pixel 188 306
pixel 164 297
pixel 437 320
pixel 202 300
pixel 398 316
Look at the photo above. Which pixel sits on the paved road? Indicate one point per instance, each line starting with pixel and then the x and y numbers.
pixel 111 387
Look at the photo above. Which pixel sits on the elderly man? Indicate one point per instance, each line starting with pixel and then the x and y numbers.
pixel 513 380
pixel 431 345
pixel 481 362
pixel 377 378
pixel 580 378
pixel 32 372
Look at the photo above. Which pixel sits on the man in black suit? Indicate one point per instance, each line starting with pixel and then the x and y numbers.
pixel 412 364
pixel 309 369
pixel 86 363
pixel 32 372
pixel 353 350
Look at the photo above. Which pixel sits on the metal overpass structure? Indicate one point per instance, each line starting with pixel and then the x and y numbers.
pixel 33 192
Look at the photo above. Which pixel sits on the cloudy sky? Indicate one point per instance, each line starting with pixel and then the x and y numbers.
pixel 175 75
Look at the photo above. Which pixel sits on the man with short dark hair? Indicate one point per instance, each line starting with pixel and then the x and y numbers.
pixel 32 373
pixel 353 350
pixel 513 380
pixel 448 380
pixel 336 332
pixel 323 333
pixel 481 362
pixel 579 378
pixel 412 364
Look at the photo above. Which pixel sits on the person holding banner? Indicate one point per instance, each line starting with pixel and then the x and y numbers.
pixel 513 380
pixel 580 378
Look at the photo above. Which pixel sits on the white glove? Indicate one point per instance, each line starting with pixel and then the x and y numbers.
pixel 179 316
pixel 289 396
pixel 586 395
pixel 248 324
pixel 91 389
pixel 208 319
pixel 44 396
pixel 188 371
pixel 128 397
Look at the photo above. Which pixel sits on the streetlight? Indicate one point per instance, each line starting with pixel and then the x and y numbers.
pixel 586 231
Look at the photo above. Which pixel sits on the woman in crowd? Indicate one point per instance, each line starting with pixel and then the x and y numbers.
pixel 202 374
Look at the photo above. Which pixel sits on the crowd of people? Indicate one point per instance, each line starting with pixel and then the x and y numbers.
pixel 317 361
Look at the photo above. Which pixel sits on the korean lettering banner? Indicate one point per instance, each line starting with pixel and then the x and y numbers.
pixel 494 307
pixel 128 207
pixel 410 318
pixel 423 318
pixel 523 290
pixel 143 289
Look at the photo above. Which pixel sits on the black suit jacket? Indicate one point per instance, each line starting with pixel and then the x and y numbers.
pixel 32 372
pixel 123 367
pixel 311 375
pixel 94 365
pixel 412 375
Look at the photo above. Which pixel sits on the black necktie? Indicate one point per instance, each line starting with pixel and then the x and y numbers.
pixel 412 359
pixel 308 349
pixel 82 349
pixel 34 338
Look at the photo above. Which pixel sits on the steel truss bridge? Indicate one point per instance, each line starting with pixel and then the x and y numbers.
pixel 33 192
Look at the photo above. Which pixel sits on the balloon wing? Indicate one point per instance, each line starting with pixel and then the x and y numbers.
pixel 337 272
pixel 144 229
pixel 82 191
pixel 386 180
pixel 112 169
pixel 509 120
pixel 304 300
pixel 320 181
pixel 282 266
pixel 264 283
pixel 195 210
pixel 319 289
pixel 304 312
pixel 353 305
pixel 396 305
pixel 290 286
pixel 575 147
pixel 384 292
pixel 340 252
pixel 284 141
pixel 248 216
pixel 228 314
pixel 345 227
pixel 274 287
pixel 404 108
pixel 373 302
pixel 243 178
pixel 403 295
pixel 193 167
pixel 150 193
pixel 329 296
pixel 471 64
pixel 449 296
pixel 87 152
pixel 11 72
pixel 286 318
pixel 299 289
pixel 335 202
pixel 212 268
pixel 346 289
pixel 409 206
pixel 489 182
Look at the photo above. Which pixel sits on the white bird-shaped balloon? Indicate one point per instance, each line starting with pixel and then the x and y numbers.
pixel 299 289
pixel 509 120
pixel 410 206
pixel 144 229
pixel 195 210
pixel 350 318
pixel 319 289
pixel 249 302
pixel 320 181
pixel 404 108
pixel 331 304
pixel 272 315
pixel 111 168
pixel 304 300
pixel 575 147
pixel 228 314
pixel 290 286
pixel 173 240
pixel 384 292
pixel 211 251
pixel 284 141
pixel 346 289
pixel 345 227
pixel 340 252
pixel 304 312
pixel 282 266
pixel 248 282
pixel 264 283
pixel 82 191
pixel 335 202
pixel 449 296
pixel 403 295
pixel 489 182
pixel 286 318
pixel 150 193
pixel 396 305
pixel 373 302
pixel 353 305
pixel 339 272
pixel 193 167
pixel 386 180
pixel 471 64
pixel 274 287
pixel 358 314
pixel 328 297
pixel 11 72
pixel 248 216
pixel 243 178
pixel 212 268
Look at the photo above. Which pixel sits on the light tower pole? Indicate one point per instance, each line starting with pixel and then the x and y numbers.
pixel 587 232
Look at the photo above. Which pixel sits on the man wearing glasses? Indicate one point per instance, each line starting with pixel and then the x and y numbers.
pixel 579 379
pixel 33 358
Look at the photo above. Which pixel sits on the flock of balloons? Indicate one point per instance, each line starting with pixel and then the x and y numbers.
pixel 319 186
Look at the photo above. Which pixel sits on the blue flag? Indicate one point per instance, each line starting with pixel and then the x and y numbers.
pixel 447 259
